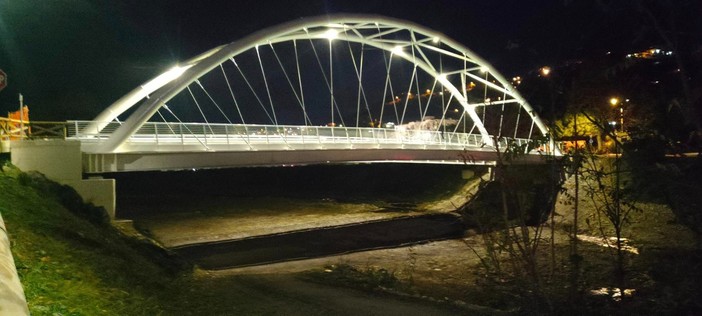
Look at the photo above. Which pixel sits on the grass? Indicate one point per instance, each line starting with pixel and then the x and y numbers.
pixel 69 265
pixel 72 262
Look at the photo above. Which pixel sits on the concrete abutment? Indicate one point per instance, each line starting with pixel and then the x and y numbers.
pixel 61 161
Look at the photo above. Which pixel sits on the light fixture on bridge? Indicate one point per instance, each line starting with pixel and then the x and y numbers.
pixel 164 78
pixel 330 34
pixel 397 50
pixel 436 40
pixel 484 69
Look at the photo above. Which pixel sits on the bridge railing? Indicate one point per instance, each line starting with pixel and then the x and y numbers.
pixel 11 129
pixel 254 134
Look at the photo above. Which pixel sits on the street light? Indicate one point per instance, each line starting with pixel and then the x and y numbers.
pixel 614 102
pixel 545 71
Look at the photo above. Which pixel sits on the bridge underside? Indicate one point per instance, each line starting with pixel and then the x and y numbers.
pixel 149 161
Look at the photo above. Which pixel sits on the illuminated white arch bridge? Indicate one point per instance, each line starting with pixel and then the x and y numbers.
pixel 330 89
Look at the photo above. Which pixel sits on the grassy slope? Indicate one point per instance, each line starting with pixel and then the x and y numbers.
pixel 70 266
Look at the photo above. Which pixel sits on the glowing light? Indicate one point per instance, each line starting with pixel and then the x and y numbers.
pixel 330 34
pixel 397 50
pixel 614 101
pixel 164 78
pixel 545 71
pixel 484 69
pixel 436 40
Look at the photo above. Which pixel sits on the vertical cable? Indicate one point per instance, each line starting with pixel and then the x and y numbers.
pixel 331 83
pixel 231 92
pixel 359 74
pixel 319 62
pixel 299 80
pixel 265 81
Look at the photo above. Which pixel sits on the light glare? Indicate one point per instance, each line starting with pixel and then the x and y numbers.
pixel 331 34
pixel 398 51
pixel 164 78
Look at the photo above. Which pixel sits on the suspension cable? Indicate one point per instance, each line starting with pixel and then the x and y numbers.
pixel 455 129
pixel 321 68
pixel 415 75
pixel 299 80
pixel 388 81
pixel 306 118
pixel 359 75
pixel 502 115
pixel 186 127
pixel 164 120
pixel 265 82
pixel 409 93
pixel 443 98
pixel 442 122
pixel 331 83
pixel 231 92
pixel 431 95
pixel 213 101
pixel 252 90
pixel 200 109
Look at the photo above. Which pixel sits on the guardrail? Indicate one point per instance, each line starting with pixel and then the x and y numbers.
pixel 11 129
pixel 248 134
pixel 209 134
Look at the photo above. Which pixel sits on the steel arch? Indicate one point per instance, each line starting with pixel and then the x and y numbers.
pixel 167 85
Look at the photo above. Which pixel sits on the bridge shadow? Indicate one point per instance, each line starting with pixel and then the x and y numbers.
pixel 324 241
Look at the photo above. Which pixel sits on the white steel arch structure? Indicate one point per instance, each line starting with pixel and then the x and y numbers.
pixel 423 48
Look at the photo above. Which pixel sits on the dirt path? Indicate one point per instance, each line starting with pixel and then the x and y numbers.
pixel 292 296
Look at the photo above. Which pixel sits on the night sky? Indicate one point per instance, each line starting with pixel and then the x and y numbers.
pixel 72 58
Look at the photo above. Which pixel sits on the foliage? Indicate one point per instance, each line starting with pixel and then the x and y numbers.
pixel 370 278
pixel 567 126
pixel 509 215
pixel 612 202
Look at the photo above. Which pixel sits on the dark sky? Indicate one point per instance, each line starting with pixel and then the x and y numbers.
pixel 72 58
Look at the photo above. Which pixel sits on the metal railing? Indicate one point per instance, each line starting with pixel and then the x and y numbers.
pixel 206 134
pixel 160 133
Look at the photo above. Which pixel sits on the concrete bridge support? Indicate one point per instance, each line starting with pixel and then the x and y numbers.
pixel 61 161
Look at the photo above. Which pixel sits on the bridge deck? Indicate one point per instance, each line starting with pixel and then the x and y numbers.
pixel 174 146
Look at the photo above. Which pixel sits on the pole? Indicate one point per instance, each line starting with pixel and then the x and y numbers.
pixel 21 115
pixel 621 118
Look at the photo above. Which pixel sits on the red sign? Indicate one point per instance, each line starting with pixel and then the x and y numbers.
pixel 3 80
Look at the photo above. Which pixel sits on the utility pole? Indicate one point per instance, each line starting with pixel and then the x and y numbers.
pixel 21 115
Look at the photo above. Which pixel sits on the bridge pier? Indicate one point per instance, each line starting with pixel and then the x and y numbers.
pixel 61 161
